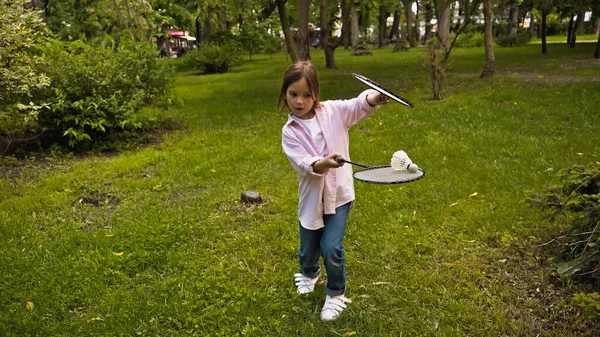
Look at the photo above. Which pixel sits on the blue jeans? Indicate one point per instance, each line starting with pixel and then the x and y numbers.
pixel 326 242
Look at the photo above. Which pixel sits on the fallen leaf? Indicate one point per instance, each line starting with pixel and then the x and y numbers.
pixel 96 319
pixel 213 171
pixel 579 154
pixel 454 204
pixel 108 235
pixel 540 76
pixel 351 333
pixel 473 195
pixel 118 254
pixel 434 132
pixel 29 305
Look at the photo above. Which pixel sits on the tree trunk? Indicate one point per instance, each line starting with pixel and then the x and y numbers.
pixel 395 25
pixel 301 36
pixel 543 32
pixel 285 26
pixel 488 70
pixel 346 27
pixel 382 24
pixel 416 30
pixel 597 53
pixel 198 31
pixel 513 18
pixel 570 29
pixel 443 19
pixel 578 23
pixel 354 26
pixel 409 23
pixel 329 58
pixel 428 17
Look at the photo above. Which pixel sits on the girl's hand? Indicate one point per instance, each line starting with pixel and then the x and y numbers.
pixel 377 99
pixel 327 163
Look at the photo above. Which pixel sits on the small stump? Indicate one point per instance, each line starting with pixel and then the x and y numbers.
pixel 251 197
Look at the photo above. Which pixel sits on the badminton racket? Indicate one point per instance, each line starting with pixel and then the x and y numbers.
pixel 385 92
pixel 383 174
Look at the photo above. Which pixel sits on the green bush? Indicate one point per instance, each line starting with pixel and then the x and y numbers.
pixel 589 304
pixel 520 39
pixel 575 199
pixel 474 39
pixel 98 91
pixel 214 59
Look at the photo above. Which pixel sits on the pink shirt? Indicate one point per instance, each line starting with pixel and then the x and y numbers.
pixel 322 193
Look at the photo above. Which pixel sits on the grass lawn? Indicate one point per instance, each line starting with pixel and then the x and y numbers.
pixel 155 242
pixel 563 38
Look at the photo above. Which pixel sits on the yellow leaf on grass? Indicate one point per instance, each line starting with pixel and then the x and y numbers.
pixel 579 154
pixel 29 305
pixel 118 254
pixel 351 333
pixel 473 195
pixel 213 171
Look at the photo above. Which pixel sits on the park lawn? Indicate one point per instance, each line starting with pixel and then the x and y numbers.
pixel 563 38
pixel 155 241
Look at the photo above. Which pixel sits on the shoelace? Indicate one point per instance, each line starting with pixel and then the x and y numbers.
pixel 337 304
pixel 304 284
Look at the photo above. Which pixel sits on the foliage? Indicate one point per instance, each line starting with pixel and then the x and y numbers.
pixel 214 59
pixel 401 45
pixel 361 48
pixel 576 199
pixel 98 91
pixel 474 39
pixel 589 304
pixel 519 39
pixel 20 77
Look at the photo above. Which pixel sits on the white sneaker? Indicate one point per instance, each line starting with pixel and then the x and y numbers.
pixel 333 307
pixel 305 284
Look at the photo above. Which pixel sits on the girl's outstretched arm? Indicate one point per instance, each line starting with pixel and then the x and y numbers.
pixel 327 163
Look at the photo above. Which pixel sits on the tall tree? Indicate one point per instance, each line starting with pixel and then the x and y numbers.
pixel 545 7
pixel 409 22
pixel 285 26
pixel 301 37
pixel 382 20
pixel 330 46
pixel 488 70
pixel 596 14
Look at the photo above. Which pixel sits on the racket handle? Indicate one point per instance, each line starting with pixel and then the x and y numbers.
pixel 342 160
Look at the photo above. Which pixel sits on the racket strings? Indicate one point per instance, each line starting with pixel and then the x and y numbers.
pixel 387 175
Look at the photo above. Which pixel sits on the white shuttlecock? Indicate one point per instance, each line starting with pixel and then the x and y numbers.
pixel 401 162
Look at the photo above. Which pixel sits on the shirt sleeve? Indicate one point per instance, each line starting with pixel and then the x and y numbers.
pixel 354 110
pixel 300 159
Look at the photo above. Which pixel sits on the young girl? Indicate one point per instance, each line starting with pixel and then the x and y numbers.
pixel 315 133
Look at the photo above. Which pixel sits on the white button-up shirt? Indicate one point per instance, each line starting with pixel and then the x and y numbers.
pixel 322 193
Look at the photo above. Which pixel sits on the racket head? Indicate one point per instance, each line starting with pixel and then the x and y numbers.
pixel 387 175
pixel 376 86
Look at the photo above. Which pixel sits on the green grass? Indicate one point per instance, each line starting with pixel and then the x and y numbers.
pixel 563 38
pixel 155 242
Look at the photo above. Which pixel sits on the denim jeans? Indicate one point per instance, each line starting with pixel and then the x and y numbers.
pixel 326 242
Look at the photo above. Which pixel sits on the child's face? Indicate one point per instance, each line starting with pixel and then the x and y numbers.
pixel 300 99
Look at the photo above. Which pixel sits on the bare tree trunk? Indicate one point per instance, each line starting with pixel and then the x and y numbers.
pixel 198 30
pixel 329 59
pixel 513 19
pixel 543 32
pixel 597 53
pixel 395 25
pixel 301 37
pixel 354 25
pixel 346 27
pixel 409 22
pixel 428 17
pixel 443 20
pixel 580 17
pixel 488 70
pixel 285 26
pixel 417 31
pixel 570 29
pixel 382 24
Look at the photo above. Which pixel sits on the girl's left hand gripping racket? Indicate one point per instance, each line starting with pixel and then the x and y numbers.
pixel 383 174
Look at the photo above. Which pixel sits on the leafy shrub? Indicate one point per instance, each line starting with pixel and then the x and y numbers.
pixel 20 80
pixel 519 39
pixel 214 59
pixel 575 199
pixel 361 48
pixel 589 304
pixel 470 40
pixel 98 91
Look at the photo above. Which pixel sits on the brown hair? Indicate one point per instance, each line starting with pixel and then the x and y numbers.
pixel 296 72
